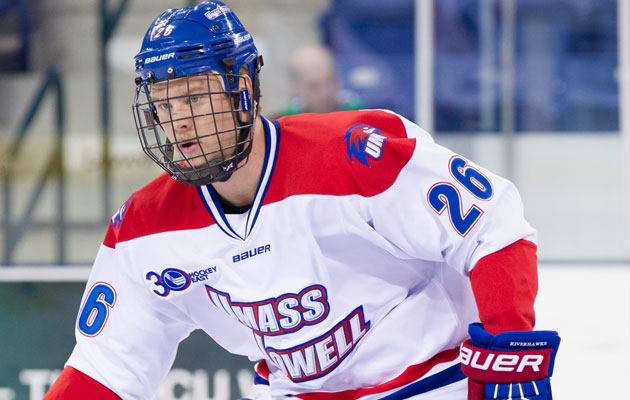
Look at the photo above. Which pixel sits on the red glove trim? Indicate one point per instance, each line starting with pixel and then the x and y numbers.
pixel 505 284
pixel 497 366
pixel 73 384
pixel 476 390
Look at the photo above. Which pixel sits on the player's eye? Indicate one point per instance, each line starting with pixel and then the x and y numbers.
pixel 162 106
pixel 195 99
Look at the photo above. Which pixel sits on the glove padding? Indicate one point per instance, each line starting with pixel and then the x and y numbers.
pixel 510 365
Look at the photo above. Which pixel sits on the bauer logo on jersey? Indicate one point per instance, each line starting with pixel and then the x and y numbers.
pixel 173 280
pixel 363 141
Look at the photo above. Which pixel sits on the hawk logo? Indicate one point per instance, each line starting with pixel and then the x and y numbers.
pixel 117 219
pixel 363 141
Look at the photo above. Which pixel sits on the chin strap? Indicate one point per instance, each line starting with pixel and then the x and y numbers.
pixel 223 171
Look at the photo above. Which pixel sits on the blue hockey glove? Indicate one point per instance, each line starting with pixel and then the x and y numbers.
pixel 510 365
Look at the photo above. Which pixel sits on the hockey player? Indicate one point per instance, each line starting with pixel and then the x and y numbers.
pixel 347 254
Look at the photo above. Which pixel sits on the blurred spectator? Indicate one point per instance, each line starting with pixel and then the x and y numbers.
pixel 314 83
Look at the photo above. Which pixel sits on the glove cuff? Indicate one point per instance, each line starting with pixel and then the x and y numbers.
pixel 497 366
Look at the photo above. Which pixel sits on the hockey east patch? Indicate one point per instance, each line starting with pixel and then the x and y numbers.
pixel 173 280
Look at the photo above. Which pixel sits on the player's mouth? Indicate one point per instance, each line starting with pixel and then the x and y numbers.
pixel 188 147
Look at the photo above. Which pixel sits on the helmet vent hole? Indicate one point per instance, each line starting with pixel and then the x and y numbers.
pixel 199 53
pixel 222 46
pixel 191 51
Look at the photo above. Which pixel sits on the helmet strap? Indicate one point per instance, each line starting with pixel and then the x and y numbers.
pixel 256 83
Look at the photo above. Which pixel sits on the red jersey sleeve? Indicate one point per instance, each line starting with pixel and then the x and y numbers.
pixel 75 385
pixel 505 284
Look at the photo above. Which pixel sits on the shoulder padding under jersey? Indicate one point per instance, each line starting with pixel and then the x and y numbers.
pixel 341 153
pixel 161 206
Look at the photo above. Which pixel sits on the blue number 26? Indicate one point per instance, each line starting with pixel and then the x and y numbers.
pixel 445 195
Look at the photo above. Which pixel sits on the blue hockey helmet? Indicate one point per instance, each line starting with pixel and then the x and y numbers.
pixel 207 39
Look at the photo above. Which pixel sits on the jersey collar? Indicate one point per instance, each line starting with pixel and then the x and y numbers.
pixel 211 201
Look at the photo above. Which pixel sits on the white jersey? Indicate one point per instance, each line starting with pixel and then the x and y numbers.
pixel 348 274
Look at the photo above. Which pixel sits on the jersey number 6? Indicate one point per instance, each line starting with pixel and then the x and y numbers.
pixel 445 195
pixel 95 310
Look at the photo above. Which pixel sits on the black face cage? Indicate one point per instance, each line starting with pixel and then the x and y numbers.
pixel 218 163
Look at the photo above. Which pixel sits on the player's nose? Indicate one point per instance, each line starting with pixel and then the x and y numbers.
pixel 181 116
